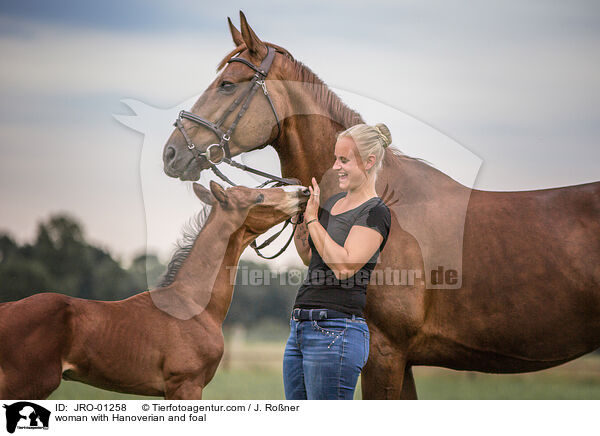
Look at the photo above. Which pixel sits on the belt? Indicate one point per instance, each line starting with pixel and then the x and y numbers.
pixel 318 314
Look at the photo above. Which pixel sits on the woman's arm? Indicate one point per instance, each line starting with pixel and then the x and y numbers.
pixel 301 241
pixel 361 244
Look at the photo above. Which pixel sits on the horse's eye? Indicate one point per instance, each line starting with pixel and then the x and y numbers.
pixel 260 198
pixel 227 87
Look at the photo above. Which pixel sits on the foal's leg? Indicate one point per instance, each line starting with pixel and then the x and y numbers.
pixel 33 336
pixel 189 389
pixel 28 383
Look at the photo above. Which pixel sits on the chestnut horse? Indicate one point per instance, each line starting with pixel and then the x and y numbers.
pixel 525 291
pixel 165 342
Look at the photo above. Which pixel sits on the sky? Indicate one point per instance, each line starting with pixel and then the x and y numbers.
pixel 515 83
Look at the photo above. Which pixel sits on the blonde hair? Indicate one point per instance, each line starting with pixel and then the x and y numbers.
pixel 369 140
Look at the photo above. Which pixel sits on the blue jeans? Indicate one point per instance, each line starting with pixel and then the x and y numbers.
pixel 323 359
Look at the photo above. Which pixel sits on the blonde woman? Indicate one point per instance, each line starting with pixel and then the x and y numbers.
pixel 340 241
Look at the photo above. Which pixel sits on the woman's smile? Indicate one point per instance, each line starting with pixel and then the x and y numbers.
pixel 345 163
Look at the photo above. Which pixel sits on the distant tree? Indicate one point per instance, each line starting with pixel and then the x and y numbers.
pixel 146 270
pixel 261 297
pixel 20 278
pixel 61 260
pixel 61 248
pixel 8 247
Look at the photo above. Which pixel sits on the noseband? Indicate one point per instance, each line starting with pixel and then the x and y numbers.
pixel 244 99
pixel 258 79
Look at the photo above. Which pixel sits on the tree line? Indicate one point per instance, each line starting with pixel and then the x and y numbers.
pixel 61 260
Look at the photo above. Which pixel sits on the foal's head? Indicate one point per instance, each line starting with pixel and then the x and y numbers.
pixel 256 209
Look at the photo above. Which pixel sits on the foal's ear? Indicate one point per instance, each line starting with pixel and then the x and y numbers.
pixel 203 194
pixel 235 34
pixel 253 42
pixel 219 193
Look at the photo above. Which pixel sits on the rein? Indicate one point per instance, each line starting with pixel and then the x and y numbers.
pixel 258 80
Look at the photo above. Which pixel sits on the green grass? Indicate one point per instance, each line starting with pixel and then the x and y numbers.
pixel 239 384
pixel 505 387
pixel 246 384
pixel 253 371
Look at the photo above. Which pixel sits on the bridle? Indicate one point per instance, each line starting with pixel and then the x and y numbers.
pixel 244 99
pixel 257 80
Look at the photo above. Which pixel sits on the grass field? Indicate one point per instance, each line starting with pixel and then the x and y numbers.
pixel 252 370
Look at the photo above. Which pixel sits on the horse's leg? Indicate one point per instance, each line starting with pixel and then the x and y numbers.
pixel 409 390
pixel 382 379
pixel 383 376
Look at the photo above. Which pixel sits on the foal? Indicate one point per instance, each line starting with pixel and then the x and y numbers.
pixel 165 342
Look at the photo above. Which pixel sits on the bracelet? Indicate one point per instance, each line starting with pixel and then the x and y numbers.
pixel 311 221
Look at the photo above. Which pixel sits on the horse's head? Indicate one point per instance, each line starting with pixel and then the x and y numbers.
pixel 256 209
pixel 183 157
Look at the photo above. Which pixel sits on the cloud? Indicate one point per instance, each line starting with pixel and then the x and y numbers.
pixel 514 82
pixel 535 82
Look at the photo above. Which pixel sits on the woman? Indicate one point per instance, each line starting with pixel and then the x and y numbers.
pixel 329 338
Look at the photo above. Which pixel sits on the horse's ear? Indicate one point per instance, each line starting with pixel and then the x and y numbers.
pixel 235 34
pixel 219 193
pixel 203 194
pixel 253 42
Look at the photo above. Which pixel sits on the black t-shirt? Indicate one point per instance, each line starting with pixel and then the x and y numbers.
pixel 321 289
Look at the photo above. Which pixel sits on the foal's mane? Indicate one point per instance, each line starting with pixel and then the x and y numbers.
pixel 191 231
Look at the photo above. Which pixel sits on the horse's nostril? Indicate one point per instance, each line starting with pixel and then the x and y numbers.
pixel 170 154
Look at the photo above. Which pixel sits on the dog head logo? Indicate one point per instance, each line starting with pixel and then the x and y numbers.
pixel 26 415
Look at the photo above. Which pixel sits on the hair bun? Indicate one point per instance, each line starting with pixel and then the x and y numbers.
pixel 386 136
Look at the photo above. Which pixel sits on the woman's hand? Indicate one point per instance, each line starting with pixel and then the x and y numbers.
pixel 312 207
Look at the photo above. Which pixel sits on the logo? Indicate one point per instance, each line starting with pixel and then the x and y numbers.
pixel 26 415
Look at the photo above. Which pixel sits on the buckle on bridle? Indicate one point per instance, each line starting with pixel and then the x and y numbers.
pixel 207 154
pixel 264 86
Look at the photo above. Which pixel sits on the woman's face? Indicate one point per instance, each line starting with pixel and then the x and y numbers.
pixel 348 165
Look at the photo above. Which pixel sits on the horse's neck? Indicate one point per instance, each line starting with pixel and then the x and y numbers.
pixel 305 151
pixel 306 146
pixel 311 124
pixel 203 282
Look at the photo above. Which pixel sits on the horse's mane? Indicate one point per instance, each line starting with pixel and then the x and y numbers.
pixel 321 92
pixel 399 154
pixel 324 96
pixel 191 231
